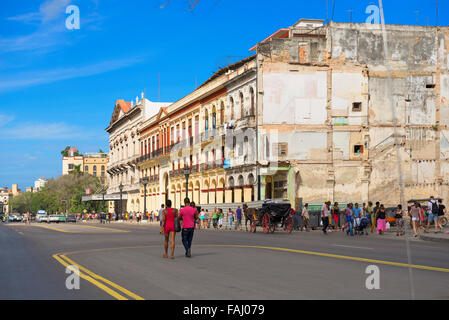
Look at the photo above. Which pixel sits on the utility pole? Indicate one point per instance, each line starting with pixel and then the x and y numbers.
pixel 350 14
pixel 417 14
pixel 437 11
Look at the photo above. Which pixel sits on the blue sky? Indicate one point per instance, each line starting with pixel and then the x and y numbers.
pixel 58 86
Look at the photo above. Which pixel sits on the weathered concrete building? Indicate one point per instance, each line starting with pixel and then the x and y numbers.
pixel 324 93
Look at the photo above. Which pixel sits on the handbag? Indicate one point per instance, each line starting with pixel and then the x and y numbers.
pixel 177 225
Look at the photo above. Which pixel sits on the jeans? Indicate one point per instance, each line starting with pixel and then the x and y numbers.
pixel 350 227
pixel 230 223
pixel 187 236
pixel 325 223
pixel 214 222
pixel 238 223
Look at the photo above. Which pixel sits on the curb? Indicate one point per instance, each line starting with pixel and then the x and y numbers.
pixel 434 239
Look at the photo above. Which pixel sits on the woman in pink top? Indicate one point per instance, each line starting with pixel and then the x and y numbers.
pixel 168 226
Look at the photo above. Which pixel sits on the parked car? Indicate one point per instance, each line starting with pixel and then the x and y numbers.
pixel 57 218
pixel 15 217
pixel 71 218
pixel 41 216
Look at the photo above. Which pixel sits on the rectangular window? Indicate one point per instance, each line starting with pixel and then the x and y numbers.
pixel 358 149
pixel 356 107
pixel 281 149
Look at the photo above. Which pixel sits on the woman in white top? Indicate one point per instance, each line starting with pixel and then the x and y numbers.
pixel 305 217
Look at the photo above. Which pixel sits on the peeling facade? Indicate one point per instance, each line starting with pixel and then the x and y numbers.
pixel 323 96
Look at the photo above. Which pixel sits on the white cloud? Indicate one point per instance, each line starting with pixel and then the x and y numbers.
pixel 49 131
pixel 5 118
pixel 26 79
pixel 48 11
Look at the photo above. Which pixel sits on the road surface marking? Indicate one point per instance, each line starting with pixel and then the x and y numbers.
pixel 336 256
pixel 91 280
pixel 54 229
pixel 340 245
pixel 104 228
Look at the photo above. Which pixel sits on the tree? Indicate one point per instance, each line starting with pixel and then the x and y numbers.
pixel 65 152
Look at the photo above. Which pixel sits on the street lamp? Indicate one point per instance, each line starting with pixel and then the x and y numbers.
pixel 103 192
pixel 121 191
pixel 144 181
pixel 186 172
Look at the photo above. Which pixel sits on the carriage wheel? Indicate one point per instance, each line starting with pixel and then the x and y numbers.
pixel 444 221
pixel 288 224
pixel 253 227
pixel 266 223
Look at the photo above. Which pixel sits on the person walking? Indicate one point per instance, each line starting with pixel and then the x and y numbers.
pixel 214 218
pixel 238 221
pixel 432 214
pixel 369 212
pixel 160 214
pixel 374 216
pixel 230 218
pixel 202 218
pixel 220 218
pixel 441 213
pixel 399 221
pixel 357 216
pixel 188 216
pixel 207 218
pixel 336 215
pixel 325 210
pixel 349 217
pixel 414 214
pixel 168 222
pixel 381 220
pixel 305 217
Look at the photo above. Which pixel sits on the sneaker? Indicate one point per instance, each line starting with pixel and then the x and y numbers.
pixel 189 255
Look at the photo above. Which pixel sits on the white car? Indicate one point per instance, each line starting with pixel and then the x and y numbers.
pixel 42 218
pixel 53 218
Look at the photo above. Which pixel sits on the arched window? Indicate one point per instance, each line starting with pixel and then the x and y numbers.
pixel 95 168
pixel 242 107
pixel 231 105
pixel 252 109
pixel 102 168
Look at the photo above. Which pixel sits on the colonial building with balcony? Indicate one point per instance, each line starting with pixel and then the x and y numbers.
pixel 125 150
pixel 206 133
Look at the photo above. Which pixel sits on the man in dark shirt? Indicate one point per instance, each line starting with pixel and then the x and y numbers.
pixel 441 213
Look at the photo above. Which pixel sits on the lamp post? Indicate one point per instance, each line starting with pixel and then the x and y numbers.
pixel 186 172
pixel 121 191
pixel 144 181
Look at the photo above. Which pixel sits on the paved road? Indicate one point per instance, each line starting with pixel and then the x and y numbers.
pixel 121 261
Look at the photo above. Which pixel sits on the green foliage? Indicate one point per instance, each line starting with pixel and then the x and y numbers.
pixel 63 193
pixel 65 152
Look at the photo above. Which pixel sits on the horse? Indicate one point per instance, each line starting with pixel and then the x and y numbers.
pixel 249 213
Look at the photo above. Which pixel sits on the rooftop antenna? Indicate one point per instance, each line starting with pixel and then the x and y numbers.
pixel 427 21
pixel 350 14
pixel 417 14
pixel 333 11
pixel 436 7
pixel 327 11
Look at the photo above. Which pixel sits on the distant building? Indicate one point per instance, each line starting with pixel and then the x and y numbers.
pixel 29 189
pixel 5 196
pixel 95 164
pixel 39 183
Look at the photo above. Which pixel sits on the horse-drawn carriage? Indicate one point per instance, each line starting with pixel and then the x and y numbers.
pixel 270 216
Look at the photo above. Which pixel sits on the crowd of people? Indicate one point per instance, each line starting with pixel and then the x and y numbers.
pixel 357 220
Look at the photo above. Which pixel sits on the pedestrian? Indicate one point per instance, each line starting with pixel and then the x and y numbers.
pixel 208 218
pixel 336 215
pixel 357 216
pixel 220 218
pixel 230 218
pixel 399 221
pixel 441 213
pixel 414 214
pixel 169 216
pixel 215 218
pixel 374 215
pixel 349 217
pixel 238 221
pixel 432 214
pixel 381 220
pixel 369 212
pixel 305 217
pixel 325 209
pixel 188 215
pixel 161 210
pixel 202 218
